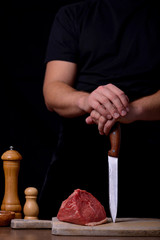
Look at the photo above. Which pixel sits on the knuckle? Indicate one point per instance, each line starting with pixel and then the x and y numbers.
pixel 106 101
pixel 109 85
pixel 102 120
pixel 122 94
pixel 94 114
pixel 100 88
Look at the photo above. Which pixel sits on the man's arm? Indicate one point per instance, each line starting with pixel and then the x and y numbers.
pixel 147 108
pixel 61 96
pixel 58 92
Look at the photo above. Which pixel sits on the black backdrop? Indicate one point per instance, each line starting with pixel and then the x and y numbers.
pixel 25 123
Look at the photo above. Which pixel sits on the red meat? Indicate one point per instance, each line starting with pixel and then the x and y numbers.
pixel 82 208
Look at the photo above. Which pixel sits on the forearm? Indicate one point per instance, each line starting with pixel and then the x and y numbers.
pixel 63 99
pixel 58 91
pixel 144 109
pixel 150 109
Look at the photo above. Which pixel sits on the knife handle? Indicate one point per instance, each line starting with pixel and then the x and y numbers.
pixel 115 137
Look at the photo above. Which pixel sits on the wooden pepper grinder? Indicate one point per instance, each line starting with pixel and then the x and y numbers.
pixel 11 165
pixel 31 209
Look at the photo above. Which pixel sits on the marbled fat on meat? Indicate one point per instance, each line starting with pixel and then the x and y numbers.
pixel 81 208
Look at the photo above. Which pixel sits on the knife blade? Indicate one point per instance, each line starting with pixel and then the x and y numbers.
pixel 113 154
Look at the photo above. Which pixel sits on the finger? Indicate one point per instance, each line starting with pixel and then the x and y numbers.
pixel 98 107
pixel 114 100
pixel 100 102
pixel 108 126
pixel 89 120
pixel 102 121
pixel 110 108
pixel 93 118
pixel 94 114
pixel 122 96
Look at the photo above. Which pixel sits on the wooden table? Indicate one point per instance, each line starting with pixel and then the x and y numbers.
pixel 7 233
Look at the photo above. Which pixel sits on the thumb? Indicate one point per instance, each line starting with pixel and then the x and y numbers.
pixel 89 120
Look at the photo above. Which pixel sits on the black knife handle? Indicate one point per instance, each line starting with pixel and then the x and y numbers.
pixel 115 137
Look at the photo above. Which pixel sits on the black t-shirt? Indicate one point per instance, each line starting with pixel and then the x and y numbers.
pixel 112 41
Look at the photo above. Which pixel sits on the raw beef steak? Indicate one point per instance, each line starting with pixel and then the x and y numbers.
pixel 82 208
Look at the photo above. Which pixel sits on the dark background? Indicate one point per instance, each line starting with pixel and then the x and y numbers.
pixel 25 122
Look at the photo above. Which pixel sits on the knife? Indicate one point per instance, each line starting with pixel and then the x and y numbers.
pixel 113 153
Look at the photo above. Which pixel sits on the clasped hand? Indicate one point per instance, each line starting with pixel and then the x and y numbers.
pixel 106 105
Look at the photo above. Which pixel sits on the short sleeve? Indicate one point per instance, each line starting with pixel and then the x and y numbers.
pixel 63 40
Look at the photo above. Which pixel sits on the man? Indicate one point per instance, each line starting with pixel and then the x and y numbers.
pixel 102 68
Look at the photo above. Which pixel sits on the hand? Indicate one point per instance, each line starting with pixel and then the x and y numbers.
pixel 108 100
pixel 104 124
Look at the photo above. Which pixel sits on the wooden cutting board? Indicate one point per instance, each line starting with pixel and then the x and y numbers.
pixel 31 224
pixel 123 227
